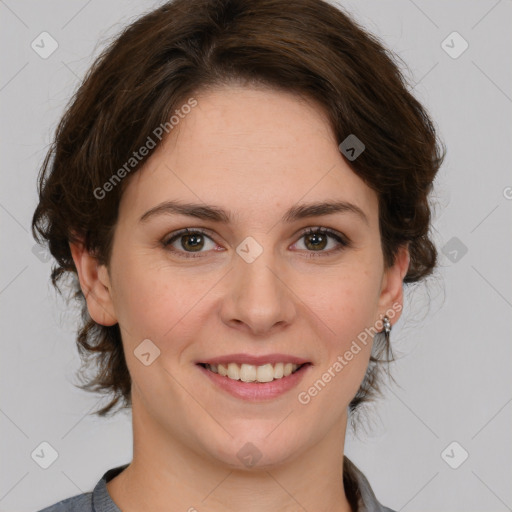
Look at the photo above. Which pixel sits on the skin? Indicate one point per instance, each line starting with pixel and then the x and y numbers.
pixel 254 152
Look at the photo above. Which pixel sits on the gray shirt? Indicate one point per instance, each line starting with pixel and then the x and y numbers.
pixel 357 488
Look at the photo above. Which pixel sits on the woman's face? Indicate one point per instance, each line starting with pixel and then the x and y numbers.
pixel 255 285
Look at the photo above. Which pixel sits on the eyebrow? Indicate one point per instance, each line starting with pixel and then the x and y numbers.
pixel 216 214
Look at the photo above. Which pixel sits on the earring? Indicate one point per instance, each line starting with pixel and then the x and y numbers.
pixel 387 327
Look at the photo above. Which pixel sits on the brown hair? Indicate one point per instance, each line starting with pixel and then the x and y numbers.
pixel 304 46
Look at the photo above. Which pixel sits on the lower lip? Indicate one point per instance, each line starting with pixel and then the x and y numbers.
pixel 257 391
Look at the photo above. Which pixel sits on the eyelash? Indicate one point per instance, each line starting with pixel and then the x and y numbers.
pixel 342 240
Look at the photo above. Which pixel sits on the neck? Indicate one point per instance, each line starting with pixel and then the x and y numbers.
pixel 165 471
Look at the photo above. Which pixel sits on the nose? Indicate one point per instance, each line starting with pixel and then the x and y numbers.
pixel 259 298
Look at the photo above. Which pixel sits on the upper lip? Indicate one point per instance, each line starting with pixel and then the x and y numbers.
pixel 254 360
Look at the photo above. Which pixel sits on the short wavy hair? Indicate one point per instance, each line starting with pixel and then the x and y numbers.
pixel 308 47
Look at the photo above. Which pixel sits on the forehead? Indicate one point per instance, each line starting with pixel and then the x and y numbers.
pixel 250 150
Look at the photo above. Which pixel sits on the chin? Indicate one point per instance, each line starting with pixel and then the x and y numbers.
pixel 252 453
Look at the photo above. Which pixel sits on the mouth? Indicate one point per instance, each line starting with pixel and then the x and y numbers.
pixel 250 373
pixel 254 383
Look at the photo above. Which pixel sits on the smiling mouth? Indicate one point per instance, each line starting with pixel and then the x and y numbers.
pixel 252 373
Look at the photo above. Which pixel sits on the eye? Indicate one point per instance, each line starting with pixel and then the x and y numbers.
pixel 317 239
pixel 189 240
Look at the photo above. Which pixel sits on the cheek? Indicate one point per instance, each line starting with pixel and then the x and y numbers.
pixel 154 301
pixel 346 299
pixel 149 302
pixel 346 309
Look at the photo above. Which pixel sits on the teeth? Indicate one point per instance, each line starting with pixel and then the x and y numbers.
pixel 252 373
pixel 265 373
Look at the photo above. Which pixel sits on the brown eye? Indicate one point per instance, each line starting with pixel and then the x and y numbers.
pixel 317 239
pixel 193 242
pixel 188 241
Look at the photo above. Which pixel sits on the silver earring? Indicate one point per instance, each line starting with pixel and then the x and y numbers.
pixel 387 327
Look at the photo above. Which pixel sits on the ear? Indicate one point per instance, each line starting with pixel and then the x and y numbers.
pixel 95 284
pixel 392 293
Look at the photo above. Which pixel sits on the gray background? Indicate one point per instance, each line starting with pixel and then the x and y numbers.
pixel 455 336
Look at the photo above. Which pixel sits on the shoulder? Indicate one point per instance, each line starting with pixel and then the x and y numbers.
pixel 97 500
pixel 78 503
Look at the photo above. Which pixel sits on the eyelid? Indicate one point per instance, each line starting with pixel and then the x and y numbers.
pixel 185 231
pixel 328 231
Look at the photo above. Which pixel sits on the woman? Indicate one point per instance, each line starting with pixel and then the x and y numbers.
pixel 241 190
